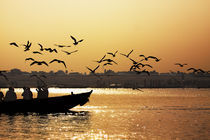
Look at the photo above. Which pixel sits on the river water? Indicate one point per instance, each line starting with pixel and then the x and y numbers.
pixel 118 114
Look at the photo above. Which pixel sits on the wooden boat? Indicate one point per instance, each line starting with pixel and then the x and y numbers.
pixel 48 105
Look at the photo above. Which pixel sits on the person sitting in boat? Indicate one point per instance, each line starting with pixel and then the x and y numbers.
pixel 10 95
pixel 45 92
pixel 27 94
pixel 39 92
pixel 42 92
pixel 1 96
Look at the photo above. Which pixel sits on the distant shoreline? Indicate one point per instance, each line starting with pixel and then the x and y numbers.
pixel 19 79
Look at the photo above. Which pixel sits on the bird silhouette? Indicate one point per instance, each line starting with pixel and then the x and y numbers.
pixel 109 60
pixel 193 69
pixel 134 62
pixel 134 67
pixel 127 55
pixel 27 46
pixel 202 71
pixel 39 63
pixel 36 52
pixel 196 70
pixel 113 54
pixel 153 57
pixel 68 53
pixel 62 46
pixel 108 63
pixel 29 59
pixel 13 44
pixel 181 65
pixel 51 50
pixel 157 60
pixel 59 61
pixel 75 41
pixel 41 47
pixel 101 60
pixel 93 70
pixel 145 58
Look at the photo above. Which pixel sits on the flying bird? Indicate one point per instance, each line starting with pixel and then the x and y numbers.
pixel 101 60
pixel 193 69
pixel 134 67
pixel 145 58
pixel 153 57
pixel 108 63
pixel 51 50
pixel 14 44
pixel 127 55
pixel 36 52
pixel 68 53
pixel 41 47
pixel 29 59
pixel 59 61
pixel 62 46
pixel 157 60
pixel 75 41
pixel 93 71
pixel 202 71
pixel 39 63
pixel 109 60
pixel 134 62
pixel 27 46
pixel 113 54
pixel 181 65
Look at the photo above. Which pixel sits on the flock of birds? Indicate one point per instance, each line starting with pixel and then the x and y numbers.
pixel 27 47
pixel 137 65
pixel 193 70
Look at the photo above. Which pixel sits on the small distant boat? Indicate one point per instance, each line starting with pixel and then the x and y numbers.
pixel 48 105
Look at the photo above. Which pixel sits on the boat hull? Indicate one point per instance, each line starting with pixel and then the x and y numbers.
pixel 51 104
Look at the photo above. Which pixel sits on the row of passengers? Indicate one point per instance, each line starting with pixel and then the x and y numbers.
pixel 27 94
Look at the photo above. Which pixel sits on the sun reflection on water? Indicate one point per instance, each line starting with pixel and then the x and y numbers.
pixel 118 114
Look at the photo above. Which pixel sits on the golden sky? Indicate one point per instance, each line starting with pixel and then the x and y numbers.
pixel 173 30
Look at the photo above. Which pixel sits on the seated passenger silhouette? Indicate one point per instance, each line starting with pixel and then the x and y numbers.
pixel 1 96
pixel 45 92
pixel 39 93
pixel 27 94
pixel 42 92
pixel 10 95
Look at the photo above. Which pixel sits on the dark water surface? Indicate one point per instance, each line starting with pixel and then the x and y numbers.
pixel 119 114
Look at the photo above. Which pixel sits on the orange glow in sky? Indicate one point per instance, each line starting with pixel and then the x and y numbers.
pixel 175 31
